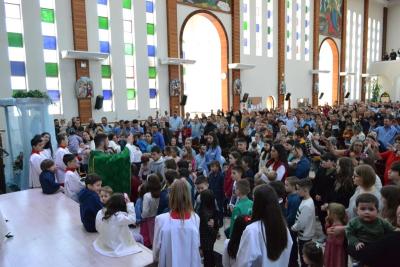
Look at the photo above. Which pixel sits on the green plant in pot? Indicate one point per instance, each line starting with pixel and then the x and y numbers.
pixel 31 93
pixel 376 90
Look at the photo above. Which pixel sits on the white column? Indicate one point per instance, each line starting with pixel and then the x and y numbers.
pixel 142 64
pixel 33 41
pixel 118 59
pixel 5 72
pixel 65 41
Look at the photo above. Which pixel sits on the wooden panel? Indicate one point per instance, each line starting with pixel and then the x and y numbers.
pixel 80 43
pixel 343 53
pixel 281 49
pixel 315 52
pixel 54 225
pixel 235 49
pixel 2 176
pixel 384 30
pixel 85 109
pixel 364 50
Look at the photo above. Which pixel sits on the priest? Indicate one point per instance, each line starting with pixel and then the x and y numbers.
pixel 114 169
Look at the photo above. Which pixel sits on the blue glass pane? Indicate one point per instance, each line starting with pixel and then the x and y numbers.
pixel 54 95
pixel 153 93
pixel 245 41
pixel 17 68
pixel 288 48
pixel 104 47
pixel 151 50
pixel 297 36
pixel 306 51
pixel 149 7
pixel 107 94
pixel 269 45
pixel 49 42
pixel 244 8
pixel 269 14
pixel 287 19
pixel 257 27
pixel 306 23
pixel 102 2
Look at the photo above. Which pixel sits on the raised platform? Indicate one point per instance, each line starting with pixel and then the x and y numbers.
pixel 48 232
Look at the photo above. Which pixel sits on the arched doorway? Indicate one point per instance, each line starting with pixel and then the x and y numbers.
pixel 328 82
pixel 204 39
pixel 270 102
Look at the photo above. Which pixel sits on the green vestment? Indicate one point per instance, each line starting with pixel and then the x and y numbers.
pixel 114 169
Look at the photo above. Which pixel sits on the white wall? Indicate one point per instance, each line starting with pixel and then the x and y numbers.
pixel 393 39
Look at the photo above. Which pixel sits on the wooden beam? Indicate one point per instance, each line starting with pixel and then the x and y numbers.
pixel 384 30
pixel 364 50
pixel 343 52
pixel 315 52
pixel 281 50
pixel 236 27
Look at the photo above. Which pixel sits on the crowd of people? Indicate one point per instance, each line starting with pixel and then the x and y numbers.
pixel 267 178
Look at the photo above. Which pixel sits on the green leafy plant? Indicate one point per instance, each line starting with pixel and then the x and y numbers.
pixel 376 90
pixel 32 93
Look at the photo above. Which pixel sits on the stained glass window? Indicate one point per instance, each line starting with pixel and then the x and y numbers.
pixel 16 50
pixel 259 25
pixel 298 29
pixel 270 27
pixel 152 52
pixel 307 30
pixel 129 51
pixel 50 54
pixel 103 19
pixel 246 29
pixel 289 30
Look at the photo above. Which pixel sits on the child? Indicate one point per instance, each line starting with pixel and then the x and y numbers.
pixel 35 160
pixel 208 226
pixel 304 224
pixel 335 254
pixel 234 158
pixel 157 165
pixel 237 174
pixel 105 194
pixel 368 227
pixel 139 202
pixel 243 204
pixel 47 178
pixel 135 182
pixel 151 201
pixel 292 205
pixel 231 246
pixel 73 184
pixel 89 201
pixel 216 185
pixel 62 141
pixel 112 223
pixel 144 168
pixel 201 185
pixel 313 255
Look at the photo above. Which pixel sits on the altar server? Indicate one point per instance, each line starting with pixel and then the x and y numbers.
pixel 35 160
pixel 62 150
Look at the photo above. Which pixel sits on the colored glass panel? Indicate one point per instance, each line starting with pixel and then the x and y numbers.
pixel 153 93
pixel 131 94
pixel 102 2
pixel 54 95
pixel 15 39
pixel 17 68
pixel 151 50
pixel 150 29
pixel 128 49
pixel 49 42
pixel 47 15
pixel 152 72
pixel 149 7
pixel 103 23
pixel 107 94
pixel 127 4
pixel 106 71
pixel 51 69
pixel 104 47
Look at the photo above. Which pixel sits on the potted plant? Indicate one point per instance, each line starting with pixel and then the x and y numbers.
pixel 376 89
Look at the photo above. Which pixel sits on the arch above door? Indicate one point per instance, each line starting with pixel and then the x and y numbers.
pixel 335 68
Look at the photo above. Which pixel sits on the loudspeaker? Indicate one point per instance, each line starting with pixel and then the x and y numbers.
pixel 245 97
pixel 347 95
pixel 321 95
pixel 183 100
pixel 99 102
pixel 287 96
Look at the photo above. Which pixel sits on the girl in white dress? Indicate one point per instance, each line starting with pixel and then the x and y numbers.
pixel 176 233
pixel 115 239
pixel 266 241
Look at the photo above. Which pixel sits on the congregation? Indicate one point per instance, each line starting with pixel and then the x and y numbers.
pixel 267 178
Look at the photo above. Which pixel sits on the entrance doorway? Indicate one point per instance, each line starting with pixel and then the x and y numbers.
pixel 328 82
pixel 203 39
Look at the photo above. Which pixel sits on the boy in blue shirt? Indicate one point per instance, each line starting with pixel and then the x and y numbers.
pixel 47 178
pixel 89 201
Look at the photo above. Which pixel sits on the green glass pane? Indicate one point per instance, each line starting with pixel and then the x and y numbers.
pixel 152 72
pixel 51 69
pixel 306 9
pixel 103 23
pixel 127 4
pixel 306 37
pixel 131 94
pixel 288 34
pixel 15 39
pixel 269 30
pixel 106 71
pixel 245 25
pixel 128 49
pixel 47 15
pixel 288 4
pixel 150 29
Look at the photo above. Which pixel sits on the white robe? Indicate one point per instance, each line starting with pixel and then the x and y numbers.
pixel 135 153
pixel 115 238
pixel 58 160
pixel 115 146
pixel 253 252
pixel 46 153
pixel 72 185
pixel 227 261
pixel 34 169
pixel 176 243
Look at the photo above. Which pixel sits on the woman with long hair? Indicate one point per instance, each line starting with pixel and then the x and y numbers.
pixel 176 233
pixel 213 151
pixel 278 162
pixel 391 200
pixel 47 147
pixel 266 241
